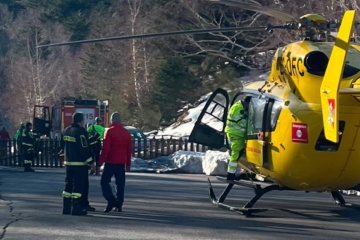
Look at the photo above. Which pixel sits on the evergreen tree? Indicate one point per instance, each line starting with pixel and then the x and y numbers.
pixel 175 86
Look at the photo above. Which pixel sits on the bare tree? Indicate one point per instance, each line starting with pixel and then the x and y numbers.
pixel 36 76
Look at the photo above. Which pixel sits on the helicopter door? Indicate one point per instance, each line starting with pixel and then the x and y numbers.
pixel 259 129
pixel 210 125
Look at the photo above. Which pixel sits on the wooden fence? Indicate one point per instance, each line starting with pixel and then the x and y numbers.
pixel 47 150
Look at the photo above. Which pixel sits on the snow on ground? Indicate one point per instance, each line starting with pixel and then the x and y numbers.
pixel 210 163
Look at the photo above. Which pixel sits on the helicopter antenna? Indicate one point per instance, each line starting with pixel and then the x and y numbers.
pixel 162 34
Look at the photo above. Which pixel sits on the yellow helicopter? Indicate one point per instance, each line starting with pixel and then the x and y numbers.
pixel 303 121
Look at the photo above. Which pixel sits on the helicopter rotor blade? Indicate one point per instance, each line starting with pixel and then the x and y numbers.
pixel 162 34
pixel 256 7
pixel 329 90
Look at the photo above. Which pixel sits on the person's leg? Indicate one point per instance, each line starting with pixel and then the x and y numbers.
pixel 97 158
pixel 28 159
pixel 66 194
pixel 79 189
pixel 106 188
pixel 85 197
pixel 236 152
pixel 120 186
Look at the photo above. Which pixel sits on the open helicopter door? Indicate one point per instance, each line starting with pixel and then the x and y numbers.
pixel 259 130
pixel 210 125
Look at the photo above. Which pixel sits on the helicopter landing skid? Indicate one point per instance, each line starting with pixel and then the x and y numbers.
pixel 260 189
pixel 339 200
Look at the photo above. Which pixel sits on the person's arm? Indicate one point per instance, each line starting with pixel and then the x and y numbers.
pixel 106 147
pixel 83 146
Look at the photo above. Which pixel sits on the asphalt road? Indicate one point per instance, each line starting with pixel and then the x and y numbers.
pixel 166 206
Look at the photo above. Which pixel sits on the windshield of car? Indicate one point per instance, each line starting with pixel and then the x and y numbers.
pixel 136 133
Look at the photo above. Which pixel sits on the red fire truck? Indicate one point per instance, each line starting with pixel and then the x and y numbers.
pixel 51 122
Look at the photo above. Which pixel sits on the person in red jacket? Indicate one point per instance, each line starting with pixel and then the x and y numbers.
pixel 116 154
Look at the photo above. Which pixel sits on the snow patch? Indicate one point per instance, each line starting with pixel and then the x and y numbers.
pixel 215 163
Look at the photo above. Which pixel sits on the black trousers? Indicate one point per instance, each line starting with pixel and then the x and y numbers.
pixel 76 182
pixel 97 157
pixel 110 170
pixel 29 156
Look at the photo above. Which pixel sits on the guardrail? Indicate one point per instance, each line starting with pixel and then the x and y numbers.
pixel 47 150
pixel 46 153
pixel 155 147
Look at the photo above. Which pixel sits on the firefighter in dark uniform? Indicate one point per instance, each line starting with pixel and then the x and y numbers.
pixel 95 147
pixel 76 159
pixel 28 147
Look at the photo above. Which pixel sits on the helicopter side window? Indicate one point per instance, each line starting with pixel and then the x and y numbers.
pixel 255 119
pixel 275 112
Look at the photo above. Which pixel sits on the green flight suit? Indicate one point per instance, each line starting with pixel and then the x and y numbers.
pixel 236 127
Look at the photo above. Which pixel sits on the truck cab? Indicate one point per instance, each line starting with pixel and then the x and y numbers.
pixel 53 124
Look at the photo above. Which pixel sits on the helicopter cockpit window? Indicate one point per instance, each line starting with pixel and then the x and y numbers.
pixel 255 118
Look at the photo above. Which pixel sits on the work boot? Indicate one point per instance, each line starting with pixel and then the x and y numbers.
pixel 66 206
pixel 109 207
pixel 28 168
pixel 241 176
pixel 231 177
pixel 90 208
pixel 77 208
pixel 118 209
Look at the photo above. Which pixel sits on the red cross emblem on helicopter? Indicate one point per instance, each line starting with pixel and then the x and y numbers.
pixel 331 112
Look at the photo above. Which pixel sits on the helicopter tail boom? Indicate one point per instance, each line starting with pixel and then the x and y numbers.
pixel 329 90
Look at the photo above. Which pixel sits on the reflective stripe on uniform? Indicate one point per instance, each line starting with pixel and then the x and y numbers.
pixel 69 139
pixel 66 194
pixel 231 170
pixel 83 141
pixel 89 159
pixel 28 144
pixel 27 161
pixel 75 163
pixel 237 127
pixel 76 195
pixel 233 164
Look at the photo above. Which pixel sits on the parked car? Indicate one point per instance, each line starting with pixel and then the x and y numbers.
pixel 139 137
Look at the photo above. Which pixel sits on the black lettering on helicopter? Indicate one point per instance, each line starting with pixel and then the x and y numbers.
pixel 301 72
pixel 288 63
pixel 293 64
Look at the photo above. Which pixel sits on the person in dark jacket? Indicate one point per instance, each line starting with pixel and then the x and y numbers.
pixel 116 154
pixel 28 147
pixel 74 144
